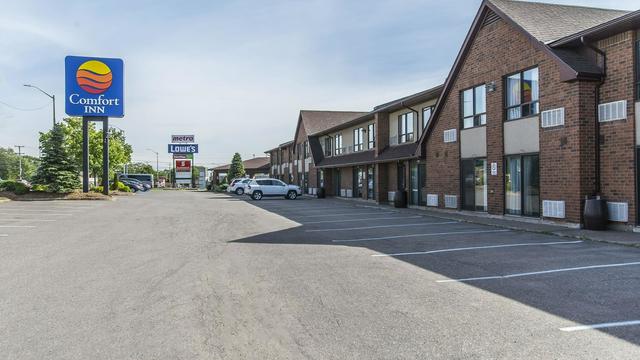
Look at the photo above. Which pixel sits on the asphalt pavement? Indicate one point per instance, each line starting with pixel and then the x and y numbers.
pixel 194 275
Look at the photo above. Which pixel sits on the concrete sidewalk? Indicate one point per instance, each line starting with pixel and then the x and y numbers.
pixel 626 238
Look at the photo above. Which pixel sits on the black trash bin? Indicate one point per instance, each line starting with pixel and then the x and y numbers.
pixel 596 215
pixel 400 199
pixel 320 193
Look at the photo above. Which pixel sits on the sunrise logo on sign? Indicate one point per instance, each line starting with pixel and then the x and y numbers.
pixel 94 77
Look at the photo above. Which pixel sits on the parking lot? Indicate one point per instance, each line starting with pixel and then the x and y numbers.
pixel 199 275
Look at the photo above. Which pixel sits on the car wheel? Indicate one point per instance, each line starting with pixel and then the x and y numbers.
pixel 292 195
pixel 239 191
pixel 257 195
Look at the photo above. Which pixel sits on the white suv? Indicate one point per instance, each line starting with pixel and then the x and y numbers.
pixel 238 186
pixel 259 188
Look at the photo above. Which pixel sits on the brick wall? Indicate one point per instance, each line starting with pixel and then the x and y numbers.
pixel 565 156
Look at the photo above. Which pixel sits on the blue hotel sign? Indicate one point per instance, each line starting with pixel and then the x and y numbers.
pixel 94 86
pixel 183 148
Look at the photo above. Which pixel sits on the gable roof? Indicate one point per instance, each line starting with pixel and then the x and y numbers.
pixel 521 15
pixel 550 22
pixel 316 121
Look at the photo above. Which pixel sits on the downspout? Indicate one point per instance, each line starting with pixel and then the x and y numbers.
pixel 597 122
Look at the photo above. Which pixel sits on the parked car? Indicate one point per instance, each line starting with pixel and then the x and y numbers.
pixel 134 186
pixel 260 188
pixel 238 187
pixel 146 186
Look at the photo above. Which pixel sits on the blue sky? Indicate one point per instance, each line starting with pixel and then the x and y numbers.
pixel 234 73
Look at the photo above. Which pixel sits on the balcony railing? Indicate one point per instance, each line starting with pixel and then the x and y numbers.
pixel 400 139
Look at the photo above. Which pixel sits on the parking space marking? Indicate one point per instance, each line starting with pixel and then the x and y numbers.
pixel 420 235
pixel 38 220
pixel 4 235
pixel 343 214
pixel 361 219
pixel 385 226
pixel 601 326
pixel 478 248
pixel 17 226
pixel 533 273
pixel 31 214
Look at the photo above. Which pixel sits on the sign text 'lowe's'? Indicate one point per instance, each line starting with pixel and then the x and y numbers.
pixel 94 86
pixel 183 149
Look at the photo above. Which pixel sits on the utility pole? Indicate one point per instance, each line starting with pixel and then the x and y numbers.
pixel 52 97
pixel 157 164
pixel 20 158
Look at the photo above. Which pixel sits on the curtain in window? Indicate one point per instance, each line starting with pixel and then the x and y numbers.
pixel 513 96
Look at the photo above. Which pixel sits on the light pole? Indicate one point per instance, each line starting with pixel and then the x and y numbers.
pixel 157 162
pixel 52 97
pixel 20 158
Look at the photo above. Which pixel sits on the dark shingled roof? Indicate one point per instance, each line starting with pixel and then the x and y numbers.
pixel 403 151
pixel 316 121
pixel 356 158
pixel 550 22
pixel 251 164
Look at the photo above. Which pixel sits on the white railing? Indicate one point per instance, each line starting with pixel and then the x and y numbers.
pixel 395 140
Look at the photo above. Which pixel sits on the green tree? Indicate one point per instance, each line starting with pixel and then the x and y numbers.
pixel 56 171
pixel 236 169
pixel 141 168
pixel 119 150
pixel 10 165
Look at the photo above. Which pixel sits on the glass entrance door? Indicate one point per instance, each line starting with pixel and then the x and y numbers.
pixel 371 182
pixel 358 181
pixel 522 185
pixel 336 182
pixel 414 188
pixel 474 184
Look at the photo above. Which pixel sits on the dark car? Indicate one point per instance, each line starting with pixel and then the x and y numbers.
pixel 145 186
pixel 134 186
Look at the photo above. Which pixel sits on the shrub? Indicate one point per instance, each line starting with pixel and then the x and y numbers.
pixel 15 187
pixel 122 187
pixel 40 188
pixel 97 189
pixel 220 188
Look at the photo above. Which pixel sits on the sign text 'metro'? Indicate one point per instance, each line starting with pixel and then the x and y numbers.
pixel 183 148
pixel 94 86
pixel 183 139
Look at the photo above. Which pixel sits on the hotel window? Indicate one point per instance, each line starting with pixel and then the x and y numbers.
pixel 405 128
pixel 474 106
pixel 522 94
pixel 371 133
pixel 426 116
pixel 327 146
pixel 358 139
pixel 338 142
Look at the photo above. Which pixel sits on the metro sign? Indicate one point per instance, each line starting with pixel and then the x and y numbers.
pixel 183 149
pixel 183 139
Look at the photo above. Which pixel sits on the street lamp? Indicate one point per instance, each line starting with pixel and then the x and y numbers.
pixel 52 97
pixel 157 161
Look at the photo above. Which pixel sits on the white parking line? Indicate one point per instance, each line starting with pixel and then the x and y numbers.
pixel 478 248
pixel 343 214
pixel 17 226
pixel 601 326
pixel 32 214
pixel 361 219
pixel 420 235
pixel 4 235
pixel 37 220
pixel 385 226
pixel 533 273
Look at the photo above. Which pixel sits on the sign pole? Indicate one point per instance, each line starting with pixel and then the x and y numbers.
pixel 105 155
pixel 85 154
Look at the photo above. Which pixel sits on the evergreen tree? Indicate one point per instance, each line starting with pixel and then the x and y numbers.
pixel 236 170
pixel 56 171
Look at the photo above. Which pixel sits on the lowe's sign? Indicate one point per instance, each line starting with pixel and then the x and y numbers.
pixel 183 148
pixel 94 86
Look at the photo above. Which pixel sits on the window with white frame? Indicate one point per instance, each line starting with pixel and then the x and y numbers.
pixel 474 106
pixel 426 116
pixel 338 144
pixel 328 148
pixel 371 135
pixel 358 139
pixel 522 94
pixel 405 127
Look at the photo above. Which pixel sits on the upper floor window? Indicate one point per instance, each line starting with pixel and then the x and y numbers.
pixel 474 107
pixel 306 149
pixel 522 94
pixel 405 127
pixel 328 148
pixel 338 144
pixel 358 139
pixel 426 116
pixel 371 134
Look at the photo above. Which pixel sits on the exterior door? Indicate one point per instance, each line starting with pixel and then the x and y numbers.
pixel 522 185
pixel 336 182
pixel 474 184
pixel 401 177
pixel 371 182
pixel 414 184
pixel 358 181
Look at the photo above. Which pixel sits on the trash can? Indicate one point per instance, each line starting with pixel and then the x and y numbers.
pixel 320 193
pixel 596 215
pixel 400 199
